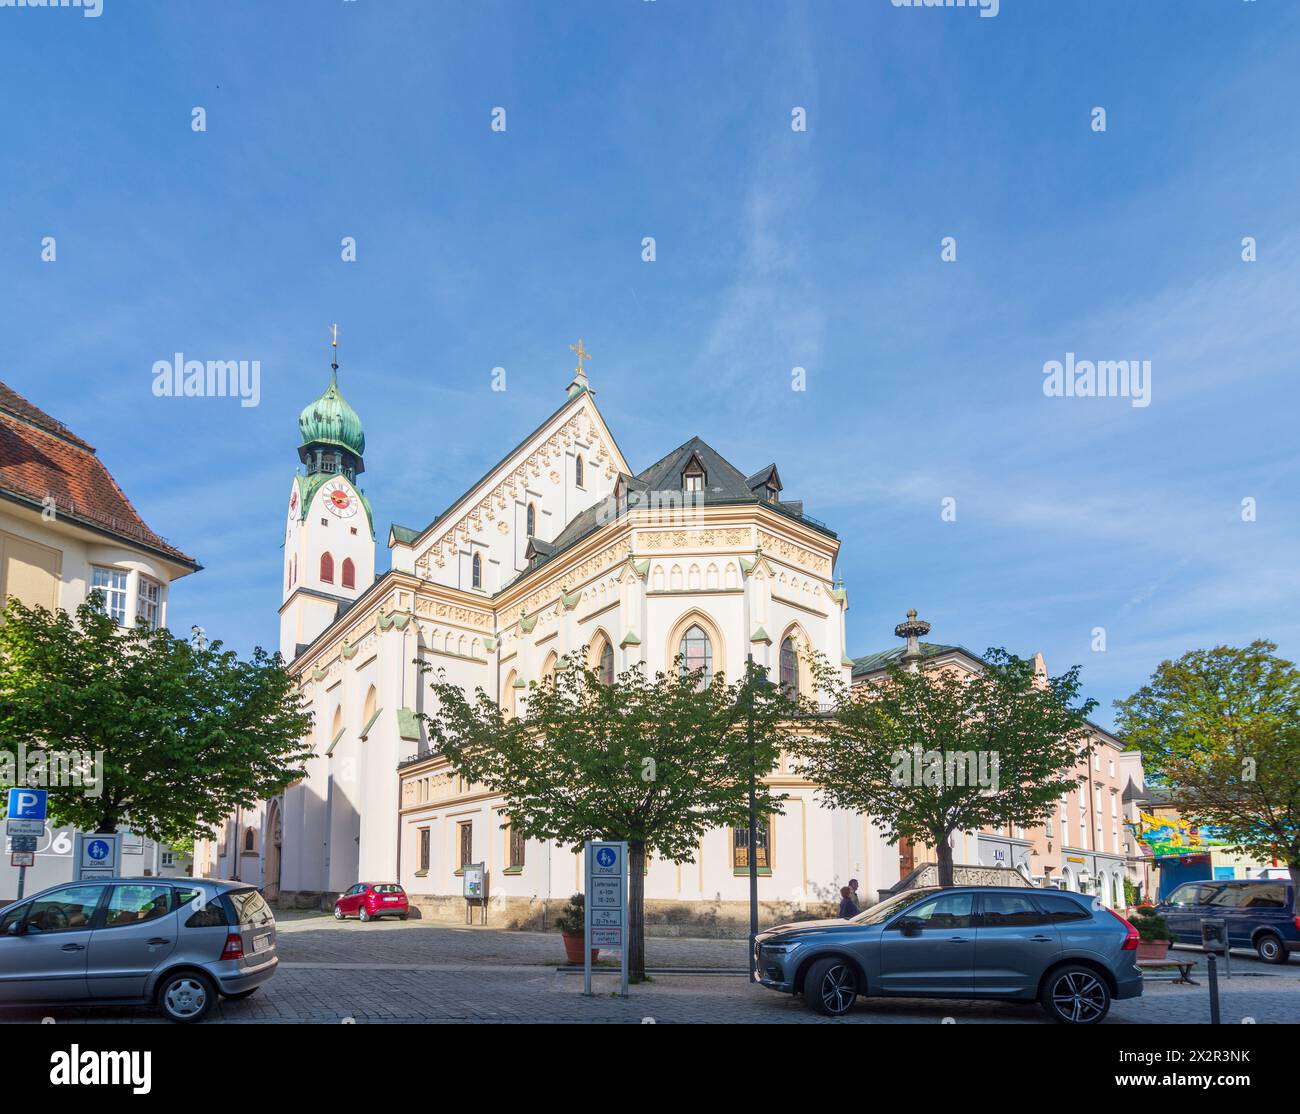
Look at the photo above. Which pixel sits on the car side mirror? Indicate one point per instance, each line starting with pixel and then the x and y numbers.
pixel 15 928
pixel 909 926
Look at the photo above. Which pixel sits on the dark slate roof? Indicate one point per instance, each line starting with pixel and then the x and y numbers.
pixel 723 483
pixel 874 663
pixel 42 459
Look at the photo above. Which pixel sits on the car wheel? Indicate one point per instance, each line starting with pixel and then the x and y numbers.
pixel 831 987
pixel 1076 996
pixel 364 914
pixel 243 994
pixel 401 916
pixel 338 913
pixel 1270 948
pixel 186 996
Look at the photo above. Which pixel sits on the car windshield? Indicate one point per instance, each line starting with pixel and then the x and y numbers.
pixel 878 914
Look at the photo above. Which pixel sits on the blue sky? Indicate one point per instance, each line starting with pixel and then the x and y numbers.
pixel 775 249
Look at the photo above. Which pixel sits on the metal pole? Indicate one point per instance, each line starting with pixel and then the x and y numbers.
pixel 1213 965
pixel 22 882
pixel 627 885
pixel 586 920
pixel 753 829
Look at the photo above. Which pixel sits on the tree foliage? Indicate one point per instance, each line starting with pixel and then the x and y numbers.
pixel 653 760
pixel 1220 729
pixel 187 734
pixel 911 749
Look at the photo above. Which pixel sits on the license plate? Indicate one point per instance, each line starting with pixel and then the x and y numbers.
pixel 261 943
pixel 390 900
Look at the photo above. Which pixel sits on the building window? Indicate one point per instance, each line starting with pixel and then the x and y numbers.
pixel 422 856
pixel 148 604
pixel 789 666
pixel 516 849
pixel 111 584
pixel 605 667
pixel 465 843
pixel 762 847
pixel 326 569
pixel 530 527
pixel 476 571
pixel 169 858
pixel 697 653
pixel 250 840
pixel 349 578
pixel 577 470
pixel 693 479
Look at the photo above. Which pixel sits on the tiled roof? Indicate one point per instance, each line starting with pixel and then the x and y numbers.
pixel 41 458
pixel 873 663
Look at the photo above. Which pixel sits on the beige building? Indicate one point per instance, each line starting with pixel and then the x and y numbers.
pixel 67 529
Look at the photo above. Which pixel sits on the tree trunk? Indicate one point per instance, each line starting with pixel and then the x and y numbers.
pixel 943 849
pixel 636 910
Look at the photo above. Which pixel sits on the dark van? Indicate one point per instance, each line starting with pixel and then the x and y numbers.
pixel 1259 913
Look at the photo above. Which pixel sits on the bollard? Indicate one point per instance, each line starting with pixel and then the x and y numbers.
pixel 1212 963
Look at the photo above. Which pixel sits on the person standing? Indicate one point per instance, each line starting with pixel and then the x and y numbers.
pixel 858 899
pixel 847 909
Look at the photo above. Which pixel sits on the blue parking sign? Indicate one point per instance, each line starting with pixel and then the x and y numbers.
pixel 27 804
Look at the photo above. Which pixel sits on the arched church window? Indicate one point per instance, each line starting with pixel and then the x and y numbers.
pixel 349 573
pixel 250 840
pixel 326 568
pixel 531 520
pixel 697 653
pixel 577 470
pixel 789 666
pixel 605 664
pixel 476 571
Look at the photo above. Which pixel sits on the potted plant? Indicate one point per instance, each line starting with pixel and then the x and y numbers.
pixel 1154 936
pixel 572 925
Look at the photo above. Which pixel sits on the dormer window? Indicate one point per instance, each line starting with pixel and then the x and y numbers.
pixel 772 493
pixel 693 477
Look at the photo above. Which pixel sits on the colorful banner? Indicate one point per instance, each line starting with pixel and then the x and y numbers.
pixel 1167 836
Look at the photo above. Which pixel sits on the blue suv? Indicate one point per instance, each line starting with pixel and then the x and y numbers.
pixel 1259 913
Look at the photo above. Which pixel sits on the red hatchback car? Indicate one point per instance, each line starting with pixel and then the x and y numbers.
pixel 371 900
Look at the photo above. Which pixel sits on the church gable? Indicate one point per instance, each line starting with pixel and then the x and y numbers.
pixel 480 543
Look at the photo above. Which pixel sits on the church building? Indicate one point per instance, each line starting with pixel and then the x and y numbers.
pixel 560 545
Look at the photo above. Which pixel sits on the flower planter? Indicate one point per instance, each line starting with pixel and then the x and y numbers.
pixel 573 949
pixel 1147 949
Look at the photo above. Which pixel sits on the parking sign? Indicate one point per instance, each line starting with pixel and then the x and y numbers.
pixel 606 903
pixel 27 804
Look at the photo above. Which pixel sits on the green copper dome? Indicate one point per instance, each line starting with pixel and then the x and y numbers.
pixel 331 421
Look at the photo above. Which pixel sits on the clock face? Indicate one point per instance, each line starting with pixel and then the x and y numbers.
pixel 340 500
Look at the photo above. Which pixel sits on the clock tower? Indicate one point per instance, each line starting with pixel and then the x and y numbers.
pixel 329 533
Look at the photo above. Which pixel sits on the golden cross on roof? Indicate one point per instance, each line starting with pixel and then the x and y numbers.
pixel 334 347
pixel 583 354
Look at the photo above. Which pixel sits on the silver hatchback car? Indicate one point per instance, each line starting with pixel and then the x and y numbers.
pixel 172 943
pixel 1064 950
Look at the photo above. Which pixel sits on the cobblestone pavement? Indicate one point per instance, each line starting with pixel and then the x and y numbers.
pixel 411 972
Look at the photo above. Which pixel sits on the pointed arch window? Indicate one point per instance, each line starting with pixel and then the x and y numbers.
pixel 531 520
pixel 697 653
pixel 476 570
pixel 605 664
pixel 577 470
pixel 326 568
pixel 789 666
pixel 349 577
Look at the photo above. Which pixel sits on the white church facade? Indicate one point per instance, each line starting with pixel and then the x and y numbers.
pixel 560 545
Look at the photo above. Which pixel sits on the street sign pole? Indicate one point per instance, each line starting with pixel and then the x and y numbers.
pixel 26 818
pixel 22 882
pixel 586 921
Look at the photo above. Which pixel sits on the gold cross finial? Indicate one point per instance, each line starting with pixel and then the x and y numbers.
pixel 334 347
pixel 583 354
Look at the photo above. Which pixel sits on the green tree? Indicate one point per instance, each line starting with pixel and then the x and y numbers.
pixel 917 750
pixel 656 761
pixel 1220 729
pixel 186 734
